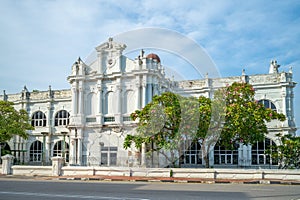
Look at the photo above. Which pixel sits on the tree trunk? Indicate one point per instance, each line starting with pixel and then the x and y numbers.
pixel 206 159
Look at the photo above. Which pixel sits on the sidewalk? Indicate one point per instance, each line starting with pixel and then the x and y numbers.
pixel 151 179
pixel 175 180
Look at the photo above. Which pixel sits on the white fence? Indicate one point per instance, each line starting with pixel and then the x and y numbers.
pixel 204 174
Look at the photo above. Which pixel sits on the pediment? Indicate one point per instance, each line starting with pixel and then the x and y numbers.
pixel 111 45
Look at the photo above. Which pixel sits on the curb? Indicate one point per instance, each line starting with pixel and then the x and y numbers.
pixel 174 180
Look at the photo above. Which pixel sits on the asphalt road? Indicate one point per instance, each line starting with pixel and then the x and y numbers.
pixel 77 190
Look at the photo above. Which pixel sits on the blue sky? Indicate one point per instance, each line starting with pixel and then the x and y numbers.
pixel 40 39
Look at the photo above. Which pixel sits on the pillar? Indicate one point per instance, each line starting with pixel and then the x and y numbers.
pixel 100 102
pixel 74 100
pixel 7 162
pixel 144 97
pixel 138 96
pixel 80 101
pixel 57 164
pixel 119 104
pixel 48 148
pixel 240 156
pixel 149 92
pixel 284 106
pixel 72 152
pixel 143 156
pixel 79 151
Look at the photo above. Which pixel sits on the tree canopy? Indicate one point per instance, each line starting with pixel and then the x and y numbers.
pixel 12 122
pixel 287 153
pixel 246 118
pixel 233 116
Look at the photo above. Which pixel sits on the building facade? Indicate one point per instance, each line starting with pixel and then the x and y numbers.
pixel 88 123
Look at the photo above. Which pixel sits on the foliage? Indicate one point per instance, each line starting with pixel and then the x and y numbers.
pixel 245 120
pixel 232 117
pixel 12 122
pixel 169 119
pixel 287 153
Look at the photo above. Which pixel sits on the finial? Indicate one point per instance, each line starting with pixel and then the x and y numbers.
pixel 273 67
pixel 4 96
pixel 142 53
pixel 243 72
pixel 206 75
pixel 291 69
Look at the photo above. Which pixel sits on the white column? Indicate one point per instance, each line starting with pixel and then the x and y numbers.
pixel 79 151
pixel 143 156
pixel 138 96
pixel 100 99
pixel 72 156
pixel 240 156
pixel 144 97
pixel 48 148
pixel 81 100
pixel 284 108
pixel 283 97
pixel 74 100
pixel 7 161
pixel 118 104
pixel 48 139
pixel 149 92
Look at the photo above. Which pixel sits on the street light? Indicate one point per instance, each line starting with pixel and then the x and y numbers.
pixel 44 147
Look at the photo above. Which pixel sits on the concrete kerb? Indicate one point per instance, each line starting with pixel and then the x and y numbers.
pixel 151 179
pixel 179 180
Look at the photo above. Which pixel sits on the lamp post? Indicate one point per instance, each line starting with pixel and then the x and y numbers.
pixel 44 147
pixel 64 144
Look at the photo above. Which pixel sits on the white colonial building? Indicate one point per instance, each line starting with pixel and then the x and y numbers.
pixel 88 123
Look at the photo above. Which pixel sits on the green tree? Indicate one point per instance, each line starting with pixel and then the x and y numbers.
pixel 233 116
pixel 287 153
pixel 169 119
pixel 245 120
pixel 12 122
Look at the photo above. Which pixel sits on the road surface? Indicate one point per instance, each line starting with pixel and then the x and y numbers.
pixel 11 189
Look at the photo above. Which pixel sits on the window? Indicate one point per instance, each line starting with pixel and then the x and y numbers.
pixel 36 151
pixel 38 119
pixel 192 153
pixel 62 118
pixel 267 104
pixel 259 156
pixel 129 102
pixel 109 155
pixel 127 119
pixel 224 156
pixel 109 119
pixel 59 148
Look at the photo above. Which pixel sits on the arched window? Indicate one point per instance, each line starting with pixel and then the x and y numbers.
pixel 109 107
pixel 192 153
pixel 129 102
pixel 259 156
pixel 62 118
pixel 38 119
pixel 59 149
pixel 36 151
pixel 267 104
pixel 223 156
